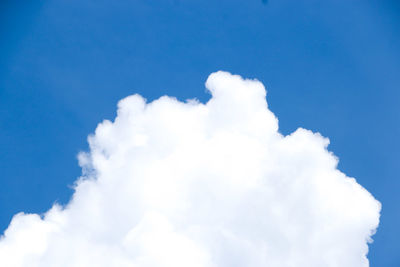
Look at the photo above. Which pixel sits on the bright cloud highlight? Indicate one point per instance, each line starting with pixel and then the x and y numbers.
pixel 201 185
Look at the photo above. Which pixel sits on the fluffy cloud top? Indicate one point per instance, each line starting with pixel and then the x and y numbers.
pixel 190 184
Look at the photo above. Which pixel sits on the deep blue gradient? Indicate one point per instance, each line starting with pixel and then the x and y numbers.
pixel 330 66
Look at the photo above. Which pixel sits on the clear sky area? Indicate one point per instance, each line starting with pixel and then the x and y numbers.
pixel 329 66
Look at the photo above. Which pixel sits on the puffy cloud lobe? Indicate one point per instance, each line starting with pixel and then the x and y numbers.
pixel 191 184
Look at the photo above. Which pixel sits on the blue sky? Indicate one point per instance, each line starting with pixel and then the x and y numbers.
pixel 330 66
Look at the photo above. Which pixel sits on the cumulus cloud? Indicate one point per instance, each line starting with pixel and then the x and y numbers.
pixel 176 184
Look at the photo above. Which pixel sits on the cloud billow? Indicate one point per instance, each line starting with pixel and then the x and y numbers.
pixel 191 184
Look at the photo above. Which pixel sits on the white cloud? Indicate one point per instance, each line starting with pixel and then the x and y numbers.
pixel 191 184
